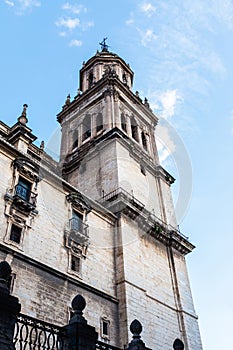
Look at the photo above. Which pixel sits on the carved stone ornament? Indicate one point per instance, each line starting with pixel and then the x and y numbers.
pixel 27 168
pixel 79 201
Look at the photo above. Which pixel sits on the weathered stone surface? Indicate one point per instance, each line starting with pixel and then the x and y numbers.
pixel 126 272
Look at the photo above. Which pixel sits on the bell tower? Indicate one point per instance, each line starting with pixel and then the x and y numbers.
pixel 108 139
pixel 109 152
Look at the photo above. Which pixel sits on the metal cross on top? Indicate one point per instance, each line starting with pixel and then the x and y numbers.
pixel 103 45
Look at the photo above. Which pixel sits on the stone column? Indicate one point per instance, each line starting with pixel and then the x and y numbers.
pixel 78 334
pixel 107 111
pixel 80 134
pixel 128 125
pixel 136 343
pixel 117 111
pixel 140 136
pixel 9 309
pixel 93 124
pixel 148 143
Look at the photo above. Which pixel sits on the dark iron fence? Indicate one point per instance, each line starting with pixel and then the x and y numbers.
pixel 22 332
pixel 104 346
pixel 33 334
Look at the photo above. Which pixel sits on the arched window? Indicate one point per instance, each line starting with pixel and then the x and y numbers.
pixel 75 139
pixel 144 140
pixel 134 129
pixel 124 78
pixel 90 79
pixel 99 122
pixel 86 127
pixel 123 122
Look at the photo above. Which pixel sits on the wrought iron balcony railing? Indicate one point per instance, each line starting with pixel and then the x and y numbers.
pixel 120 200
pixel 77 231
pixel 77 225
pixel 121 193
pixel 25 194
pixel 22 198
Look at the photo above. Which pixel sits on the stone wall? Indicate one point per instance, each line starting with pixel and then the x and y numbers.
pixel 151 291
pixel 47 296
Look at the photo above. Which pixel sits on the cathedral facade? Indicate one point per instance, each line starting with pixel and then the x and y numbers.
pixel 99 222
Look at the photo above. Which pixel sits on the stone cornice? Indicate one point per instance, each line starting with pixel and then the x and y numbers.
pixel 50 174
pixel 102 85
pixel 120 202
pixel 135 150
pixel 62 275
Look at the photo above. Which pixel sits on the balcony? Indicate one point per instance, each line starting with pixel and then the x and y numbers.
pixel 121 201
pixel 23 198
pixel 77 231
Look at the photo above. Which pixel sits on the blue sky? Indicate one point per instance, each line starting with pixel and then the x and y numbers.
pixel 181 53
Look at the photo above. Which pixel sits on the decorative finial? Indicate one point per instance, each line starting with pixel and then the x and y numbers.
pixel 5 272
pixel 23 118
pixel 78 94
pixel 178 345
pixel 136 343
pixel 78 305
pixel 103 45
pixel 146 103
pixel 42 145
pixel 67 100
pixel 136 329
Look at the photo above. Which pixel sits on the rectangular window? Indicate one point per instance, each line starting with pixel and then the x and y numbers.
pixel 75 263
pixel 99 122
pixel 23 189
pixel 105 328
pixel 77 221
pixel 15 234
pixel 134 130
pixel 86 127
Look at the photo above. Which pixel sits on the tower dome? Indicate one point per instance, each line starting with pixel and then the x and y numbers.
pixel 102 64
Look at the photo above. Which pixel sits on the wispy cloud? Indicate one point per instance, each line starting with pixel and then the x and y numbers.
pixel 22 7
pixel 208 12
pixel 87 25
pixel 167 103
pixel 165 144
pixel 147 36
pixel 183 57
pixel 9 3
pixel 147 8
pixel 63 34
pixel 130 20
pixel 69 23
pixel 73 18
pixel 75 42
pixel 75 9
